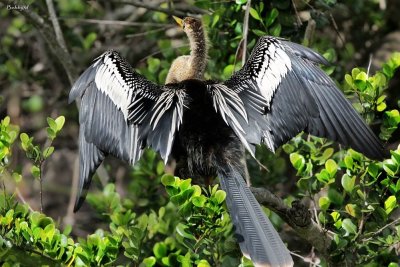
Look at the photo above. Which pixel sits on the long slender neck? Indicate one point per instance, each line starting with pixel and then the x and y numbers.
pixel 198 51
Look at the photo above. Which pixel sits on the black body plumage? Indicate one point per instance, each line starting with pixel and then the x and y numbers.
pixel 207 126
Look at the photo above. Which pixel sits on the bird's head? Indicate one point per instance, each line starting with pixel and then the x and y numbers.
pixel 189 24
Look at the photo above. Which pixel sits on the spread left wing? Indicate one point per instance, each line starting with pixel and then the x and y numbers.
pixel 121 113
pixel 299 96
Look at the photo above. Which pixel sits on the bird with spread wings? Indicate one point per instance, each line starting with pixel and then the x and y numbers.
pixel 208 125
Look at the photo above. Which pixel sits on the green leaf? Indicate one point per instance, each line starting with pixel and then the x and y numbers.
pixel 331 167
pixel 297 160
pixel 199 201
pixel 380 99
pixel 17 177
pixel 327 153
pixel 51 133
pixel 241 2
pixel 362 76
pixel 228 70
pixel 33 104
pixel 381 107
pixel 181 230
pixel 67 229
pixel 153 64
pixel 390 204
pixel 324 203
pixel 220 196
pixel 35 171
pixel 259 32
pixel 150 261
pixel 355 72
pixel 203 263
pixel 24 138
pixel 271 17
pixel 361 81
pixel 351 209
pixel 6 121
pixel 335 197
pixel 215 20
pixel 89 40
pixel 254 14
pixel 52 124
pixel 276 30
pixel 390 167
pixel 324 177
pixel 196 190
pixel 160 250
pixel 349 227
pixel 60 123
pixel 348 182
pixel 335 215
pixel 185 184
pixel 48 151
pixel 348 161
pixel 168 179
pixel 349 79
pixel 373 170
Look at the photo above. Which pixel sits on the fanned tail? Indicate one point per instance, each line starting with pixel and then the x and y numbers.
pixel 257 237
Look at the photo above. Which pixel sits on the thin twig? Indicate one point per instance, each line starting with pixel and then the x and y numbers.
pixel 114 22
pixel 147 32
pixel 381 229
pixel 298 19
pixel 56 25
pixel 41 186
pixel 69 218
pixel 262 166
pixel 21 197
pixel 369 64
pixel 337 30
pixel 305 259
pixel 245 31
pixel 151 7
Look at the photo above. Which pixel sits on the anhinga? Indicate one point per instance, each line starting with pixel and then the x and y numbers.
pixel 207 125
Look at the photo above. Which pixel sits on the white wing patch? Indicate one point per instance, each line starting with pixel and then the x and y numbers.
pixel 226 102
pixel 168 99
pixel 111 81
pixel 274 65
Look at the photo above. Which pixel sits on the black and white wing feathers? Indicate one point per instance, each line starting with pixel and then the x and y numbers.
pixel 115 101
pixel 300 97
pixel 160 125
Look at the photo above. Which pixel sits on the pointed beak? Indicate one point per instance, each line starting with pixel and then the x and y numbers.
pixel 179 21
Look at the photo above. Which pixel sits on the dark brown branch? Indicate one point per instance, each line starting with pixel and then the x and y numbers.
pixel 298 217
pixel 171 12
pixel 157 8
pixel 245 31
pixel 56 25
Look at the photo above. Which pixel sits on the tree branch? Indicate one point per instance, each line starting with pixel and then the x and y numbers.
pixel 49 36
pixel 298 217
pixel 157 8
pixel 245 31
pixel 56 25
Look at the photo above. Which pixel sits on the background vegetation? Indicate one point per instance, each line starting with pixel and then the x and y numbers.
pixel 335 206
